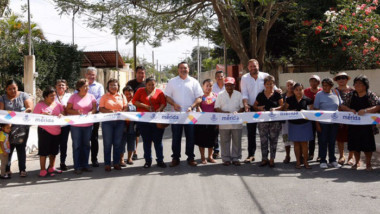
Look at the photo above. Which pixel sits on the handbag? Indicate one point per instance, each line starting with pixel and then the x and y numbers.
pixel 162 125
pixel 19 134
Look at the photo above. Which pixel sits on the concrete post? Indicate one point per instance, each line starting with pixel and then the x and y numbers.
pixel 29 76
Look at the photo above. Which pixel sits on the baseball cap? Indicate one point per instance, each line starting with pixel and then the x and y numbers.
pixel 315 77
pixel 229 80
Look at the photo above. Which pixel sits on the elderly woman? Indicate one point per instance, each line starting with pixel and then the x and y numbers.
pixel 301 130
pixel 342 79
pixel 81 103
pixel 328 100
pixel 151 99
pixel 361 137
pixel 285 124
pixel 14 100
pixel 268 100
pixel 112 131
pixel 62 97
pixel 48 136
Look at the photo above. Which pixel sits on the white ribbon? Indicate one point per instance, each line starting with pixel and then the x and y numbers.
pixel 191 117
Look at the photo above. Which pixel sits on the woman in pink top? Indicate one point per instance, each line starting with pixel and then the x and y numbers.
pixel 206 135
pixel 112 131
pixel 48 136
pixel 81 103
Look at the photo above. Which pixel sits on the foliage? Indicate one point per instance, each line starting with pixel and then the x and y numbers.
pixel 13 37
pixel 56 60
pixel 350 35
pixel 169 18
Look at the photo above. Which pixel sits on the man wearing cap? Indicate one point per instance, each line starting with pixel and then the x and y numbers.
pixel 251 85
pixel 184 93
pixel 310 92
pixel 230 101
pixel 217 88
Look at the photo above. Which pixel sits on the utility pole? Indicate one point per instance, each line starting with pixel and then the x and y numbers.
pixel 199 62
pixel 225 60
pixel 134 46
pixel 117 58
pixel 30 65
pixel 75 10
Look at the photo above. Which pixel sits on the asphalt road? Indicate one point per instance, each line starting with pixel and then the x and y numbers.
pixel 210 188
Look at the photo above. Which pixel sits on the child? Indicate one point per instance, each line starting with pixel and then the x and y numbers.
pixel 4 149
pixel 129 135
pixel 206 135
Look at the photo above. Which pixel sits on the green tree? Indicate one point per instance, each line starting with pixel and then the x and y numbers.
pixel 167 19
pixel 13 37
pixel 350 35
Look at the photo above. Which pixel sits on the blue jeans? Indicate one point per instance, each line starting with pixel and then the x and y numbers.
pixel 176 141
pixel 327 141
pixel 65 130
pixel 129 138
pixel 149 133
pixel 81 145
pixel 112 136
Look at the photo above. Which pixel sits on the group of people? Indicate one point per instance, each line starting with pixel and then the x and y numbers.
pixel 258 92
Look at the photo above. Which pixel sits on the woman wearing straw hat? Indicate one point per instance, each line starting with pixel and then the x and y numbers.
pixel 342 79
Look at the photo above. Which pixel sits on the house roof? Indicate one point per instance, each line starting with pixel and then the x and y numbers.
pixel 102 59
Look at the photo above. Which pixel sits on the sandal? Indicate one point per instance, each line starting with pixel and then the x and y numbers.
pixel 286 160
pixel 298 166
pixel 23 174
pixel 43 173
pixel 354 167
pixel 307 166
pixel 54 170
pixel 123 164
pixel 129 162
pixel 203 161
pixel 211 160
pixel 369 168
pixel 342 160
pixel 350 162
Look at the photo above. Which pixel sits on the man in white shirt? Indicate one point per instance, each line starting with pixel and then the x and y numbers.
pixel 230 101
pixel 217 88
pixel 96 89
pixel 184 93
pixel 252 84
pixel 219 79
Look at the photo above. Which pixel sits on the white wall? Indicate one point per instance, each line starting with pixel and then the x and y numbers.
pixel 373 76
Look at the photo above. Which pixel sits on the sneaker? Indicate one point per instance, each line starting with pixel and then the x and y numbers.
pixel 323 166
pixel 335 164
pixel 5 176
pixel 134 157
pixel 216 155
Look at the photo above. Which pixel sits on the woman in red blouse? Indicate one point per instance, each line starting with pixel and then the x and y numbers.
pixel 150 99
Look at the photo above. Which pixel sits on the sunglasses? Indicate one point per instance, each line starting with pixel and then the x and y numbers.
pixel 341 78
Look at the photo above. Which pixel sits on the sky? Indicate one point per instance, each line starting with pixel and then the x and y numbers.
pixel 56 27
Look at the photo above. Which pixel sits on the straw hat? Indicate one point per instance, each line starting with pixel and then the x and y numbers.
pixel 342 74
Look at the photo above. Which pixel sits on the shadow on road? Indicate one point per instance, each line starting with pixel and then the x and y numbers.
pixel 342 175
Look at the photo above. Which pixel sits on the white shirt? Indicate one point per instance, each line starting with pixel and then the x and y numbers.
pixel 229 104
pixel 216 89
pixel 183 91
pixel 250 87
pixel 64 99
